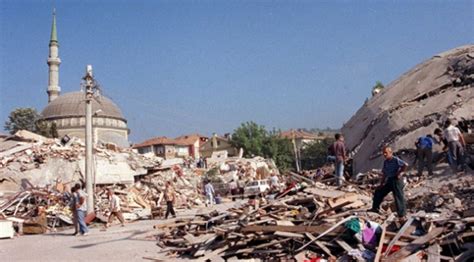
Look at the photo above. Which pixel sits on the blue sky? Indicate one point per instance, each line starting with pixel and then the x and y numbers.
pixel 177 67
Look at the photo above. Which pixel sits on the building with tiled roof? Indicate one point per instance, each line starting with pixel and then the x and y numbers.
pixel 192 143
pixel 160 146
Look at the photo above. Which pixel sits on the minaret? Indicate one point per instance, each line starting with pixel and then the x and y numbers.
pixel 53 63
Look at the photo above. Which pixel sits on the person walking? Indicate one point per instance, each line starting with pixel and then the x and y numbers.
pixel 456 145
pixel 424 149
pixel 115 209
pixel 393 168
pixel 170 197
pixel 73 203
pixel 340 154
pixel 209 189
pixel 81 207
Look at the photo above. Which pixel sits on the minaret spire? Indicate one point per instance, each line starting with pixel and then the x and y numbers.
pixel 53 63
pixel 54 34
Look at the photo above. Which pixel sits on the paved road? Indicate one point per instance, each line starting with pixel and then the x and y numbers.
pixel 130 243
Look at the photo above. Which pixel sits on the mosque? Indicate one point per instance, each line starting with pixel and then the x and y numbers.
pixel 67 110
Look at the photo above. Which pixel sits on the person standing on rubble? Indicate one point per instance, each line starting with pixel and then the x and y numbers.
pixel 439 133
pixel 393 168
pixel 209 189
pixel 456 145
pixel 340 154
pixel 424 152
pixel 115 209
pixel 81 207
pixel 170 197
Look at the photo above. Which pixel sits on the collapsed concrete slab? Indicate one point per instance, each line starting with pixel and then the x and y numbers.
pixel 413 105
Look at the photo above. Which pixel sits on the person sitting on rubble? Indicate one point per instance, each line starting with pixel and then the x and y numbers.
pixel 115 209
pixel 170 197
pixel 424 154
pixel 393 168
pixel 209 189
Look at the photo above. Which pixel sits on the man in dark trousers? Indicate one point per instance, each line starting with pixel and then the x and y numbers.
pixel 392 170
pixel 456 145
pixel 424 153
pixel 170 197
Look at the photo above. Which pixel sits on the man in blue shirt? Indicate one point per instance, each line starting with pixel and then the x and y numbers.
pixel 392 170
pixel 424 152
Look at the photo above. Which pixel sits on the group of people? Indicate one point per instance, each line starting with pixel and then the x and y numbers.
pixel 78 205
pixel 453 145
pixel 393 166
pixel 79 209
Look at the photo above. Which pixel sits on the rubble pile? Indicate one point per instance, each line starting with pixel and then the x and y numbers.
pixel 27 156
pixel 321 222
pixel 36 210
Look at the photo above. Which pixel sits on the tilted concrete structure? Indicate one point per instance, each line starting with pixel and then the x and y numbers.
pixel 413 105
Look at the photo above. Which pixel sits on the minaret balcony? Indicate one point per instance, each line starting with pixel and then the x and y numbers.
pixel 56 61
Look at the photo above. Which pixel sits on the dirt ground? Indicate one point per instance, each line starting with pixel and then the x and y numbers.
pixel 130 243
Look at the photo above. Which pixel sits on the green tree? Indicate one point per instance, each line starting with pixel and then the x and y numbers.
pixel 377 87
pixel 26 119
pixel 251 137
pixel 314 155
pixel 257 141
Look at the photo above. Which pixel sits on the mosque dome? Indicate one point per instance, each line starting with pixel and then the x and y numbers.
pixel 73 105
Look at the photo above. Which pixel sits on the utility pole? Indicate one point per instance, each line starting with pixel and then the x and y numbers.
pixel 90 88
pixel 297 161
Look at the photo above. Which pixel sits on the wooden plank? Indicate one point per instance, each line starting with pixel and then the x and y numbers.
pixel 415 245
pixel 172 224
pixel 415 257
pixel 288 234
pixel 325 193
pixel 300 177
pixel 214 255
pixel 433 253
pixel 292 229
pixel 398 235
pixel 344 245
pixel 351 197
pixel 324 248
pixel 347 248
pixel 333 208
pixel 406 235
pixel 326 232
pixel 378 255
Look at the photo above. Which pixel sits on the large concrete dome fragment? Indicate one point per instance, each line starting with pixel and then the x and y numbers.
pixel 413 105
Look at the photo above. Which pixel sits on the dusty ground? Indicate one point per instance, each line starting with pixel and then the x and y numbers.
pixel 130 243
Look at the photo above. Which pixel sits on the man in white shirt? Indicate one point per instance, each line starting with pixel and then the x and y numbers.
pixel 209 189
pixel 81 209
pixel 115 209
pixel 456 145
